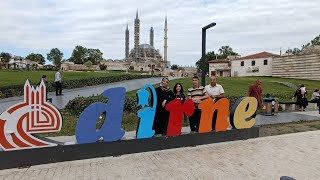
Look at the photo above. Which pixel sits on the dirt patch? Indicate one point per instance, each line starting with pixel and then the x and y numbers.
pixel 278 129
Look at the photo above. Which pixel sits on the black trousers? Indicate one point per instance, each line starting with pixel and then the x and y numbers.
pixel 194 120
pixel 316 101
pixel 58 88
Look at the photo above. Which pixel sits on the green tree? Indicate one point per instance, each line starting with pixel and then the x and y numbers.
pixel 55 56
pixel 209 56
pixel 226 51
pixel 5 58
pixel 88 63
pixel 314 42
pixel 174 67
pixel 103 67
pixel 95 56
pixel 36 58
pixel 79 55
pixel 294 51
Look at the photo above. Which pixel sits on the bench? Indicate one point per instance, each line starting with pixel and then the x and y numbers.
pixel 291 106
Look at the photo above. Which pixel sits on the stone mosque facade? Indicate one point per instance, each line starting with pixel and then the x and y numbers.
pixel 142 57
pixel 145 57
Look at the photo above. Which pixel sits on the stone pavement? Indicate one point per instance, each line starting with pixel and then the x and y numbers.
pixel 69 94
pixel 294 155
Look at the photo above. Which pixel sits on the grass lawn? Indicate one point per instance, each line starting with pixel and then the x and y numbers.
pixel 238 86
pixel 18 77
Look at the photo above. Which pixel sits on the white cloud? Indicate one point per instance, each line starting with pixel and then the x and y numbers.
pixel 249 26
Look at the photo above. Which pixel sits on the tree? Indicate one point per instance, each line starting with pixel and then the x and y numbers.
pixel 314 42
pixel 5 58
pixel 95 56
pixel 174 67
pixel 295 51
pixel 79 55
pixel 103 67
pixel 88 63
pixel 36 58
pixel 226 51
pixel 55 56
pixel 209 56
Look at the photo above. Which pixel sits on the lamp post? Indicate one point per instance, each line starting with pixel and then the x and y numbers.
pixel 204 52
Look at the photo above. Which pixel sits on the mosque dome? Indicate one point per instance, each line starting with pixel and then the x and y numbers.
pixel 146 46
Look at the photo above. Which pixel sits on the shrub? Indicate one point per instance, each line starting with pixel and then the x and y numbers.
pixel 17 90
pixel 77 105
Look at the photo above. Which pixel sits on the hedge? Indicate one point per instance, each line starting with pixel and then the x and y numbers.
pixel 17 90
pixel 77 105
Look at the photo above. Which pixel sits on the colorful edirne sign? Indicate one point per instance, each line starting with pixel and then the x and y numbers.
pixel 35 115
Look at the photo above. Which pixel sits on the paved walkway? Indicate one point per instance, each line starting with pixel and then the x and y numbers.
pixel 294 155
pixel 69 94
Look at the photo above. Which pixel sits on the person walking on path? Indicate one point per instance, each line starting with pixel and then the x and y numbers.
pixel 58 83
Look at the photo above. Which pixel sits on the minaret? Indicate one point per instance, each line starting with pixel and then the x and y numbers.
pixel 165 39
pixel 151 37
pixel 127 42
pixel 136 35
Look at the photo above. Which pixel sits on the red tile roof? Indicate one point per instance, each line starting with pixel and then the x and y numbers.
pixel 258 55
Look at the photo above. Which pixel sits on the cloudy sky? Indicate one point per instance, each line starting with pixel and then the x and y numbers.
pixel 248 26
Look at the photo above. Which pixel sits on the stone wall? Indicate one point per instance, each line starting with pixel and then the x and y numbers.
pixel 78 67
pixel 298 67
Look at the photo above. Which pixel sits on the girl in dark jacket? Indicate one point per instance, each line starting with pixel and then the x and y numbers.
pixel 164 96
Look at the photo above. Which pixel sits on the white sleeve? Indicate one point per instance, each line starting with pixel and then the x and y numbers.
pixel 221 90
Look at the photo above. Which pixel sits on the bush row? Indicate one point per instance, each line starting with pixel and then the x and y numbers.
pixel 77 105
pixel 17 90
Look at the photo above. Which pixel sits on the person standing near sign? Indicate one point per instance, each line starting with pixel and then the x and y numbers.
pixel 57 81
pixel 197 93
pixel 164 96
pixel 255 90
pixel 215 92
pixel 178 92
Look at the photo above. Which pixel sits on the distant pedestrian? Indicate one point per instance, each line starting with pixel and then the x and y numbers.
pixel 255 90
pixel 316 98
pixel 44 79
pixel 58 82
pixel 301 97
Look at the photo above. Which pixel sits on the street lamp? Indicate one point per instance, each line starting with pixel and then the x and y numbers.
pixel 204 52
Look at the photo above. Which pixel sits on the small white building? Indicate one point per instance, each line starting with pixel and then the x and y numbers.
pixel 18 62
pixel 219 67
pixel 259 64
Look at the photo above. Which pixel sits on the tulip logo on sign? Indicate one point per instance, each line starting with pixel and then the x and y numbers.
pixel 34 115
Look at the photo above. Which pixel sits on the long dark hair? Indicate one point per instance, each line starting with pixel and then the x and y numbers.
pixel 175 88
